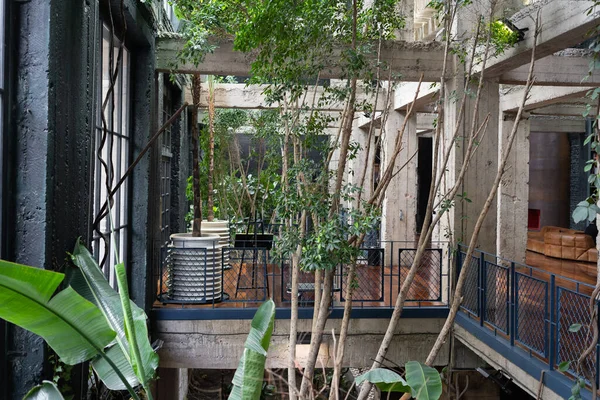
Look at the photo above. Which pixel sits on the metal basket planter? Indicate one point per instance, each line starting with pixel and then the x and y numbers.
pixel 195 271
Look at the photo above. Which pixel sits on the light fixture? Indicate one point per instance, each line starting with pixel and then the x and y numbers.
pixel 512 27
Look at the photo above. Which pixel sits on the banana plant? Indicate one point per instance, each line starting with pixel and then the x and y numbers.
pixel 46 391
pixel 112 335
pixel 422 382
pixel 249 376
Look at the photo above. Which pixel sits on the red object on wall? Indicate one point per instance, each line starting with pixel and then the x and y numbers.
pixel 533 219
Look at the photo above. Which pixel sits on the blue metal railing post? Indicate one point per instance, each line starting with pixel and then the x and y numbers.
pixel 513 294
pixel 598 348
pixel 482 287
pixel 552 324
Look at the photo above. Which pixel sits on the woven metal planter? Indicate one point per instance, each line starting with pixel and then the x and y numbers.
pixel 195 272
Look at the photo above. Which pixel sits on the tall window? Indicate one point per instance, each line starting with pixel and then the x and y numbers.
pixel 111 154
pixel 165 167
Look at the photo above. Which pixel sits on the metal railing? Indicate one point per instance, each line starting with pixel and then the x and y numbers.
pixel 532 309
pixel 249 275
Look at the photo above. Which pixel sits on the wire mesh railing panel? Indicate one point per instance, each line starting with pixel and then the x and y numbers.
pixel 531 311
pixel 497 295
pixel 368 281
pixel 573 311
pixel 246 278
pixel 427 283
pixel 470 301
pixel 306 285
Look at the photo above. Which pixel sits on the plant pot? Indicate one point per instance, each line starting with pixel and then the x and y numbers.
pixel 194 268
pixel 221 228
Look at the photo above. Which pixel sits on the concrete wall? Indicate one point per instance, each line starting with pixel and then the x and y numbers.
pixel 218 344
pixel 50 151
pixel 398 222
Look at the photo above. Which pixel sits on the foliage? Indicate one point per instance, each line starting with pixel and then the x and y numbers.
pixel 423 382
pixel 502 37
pixel 46 391
pixel 82 325
pixel 385 379
pixel 248 378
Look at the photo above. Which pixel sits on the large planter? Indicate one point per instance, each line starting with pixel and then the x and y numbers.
pixel 194 268
pixel 220 228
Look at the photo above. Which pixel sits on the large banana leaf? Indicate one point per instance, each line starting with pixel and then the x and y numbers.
pixel 46 391
pixel 385 380
pixel 248 378
pixel 112 306
pixel 425 381
pixel 71 325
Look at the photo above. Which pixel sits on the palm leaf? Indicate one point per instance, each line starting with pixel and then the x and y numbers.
pixel 71 325
pixel 248 378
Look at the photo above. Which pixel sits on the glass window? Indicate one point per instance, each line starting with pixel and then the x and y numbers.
pixel 111 155
pixel 165 166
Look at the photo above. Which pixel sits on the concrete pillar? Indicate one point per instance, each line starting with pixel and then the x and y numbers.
pixel 482 167
pixel 513 193
pixel 357 165
pixel 172 384
pixel 398 221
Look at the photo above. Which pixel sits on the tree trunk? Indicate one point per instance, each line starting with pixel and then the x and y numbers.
pixel 196 86
pixel 211 149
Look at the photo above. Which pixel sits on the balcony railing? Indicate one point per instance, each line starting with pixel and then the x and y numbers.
pixel 532 310
pixel 250 275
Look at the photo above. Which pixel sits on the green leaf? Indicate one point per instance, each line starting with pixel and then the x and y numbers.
pixel 425 382
pixel 385 380
pixel 248 378
pixel 109 302
pixel 46 391
pixel 575 328
pixel 109 376
pixel 580 214
pixel 71 325
pixel 564 366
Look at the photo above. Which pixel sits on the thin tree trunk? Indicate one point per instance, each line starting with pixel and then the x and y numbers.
pixel 196 86
pixel 458 297
pixel 430 221
pixel 211 149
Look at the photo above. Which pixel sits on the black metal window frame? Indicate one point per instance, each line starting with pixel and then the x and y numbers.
pixel 166 157
pixel 5 49
pixel 112 148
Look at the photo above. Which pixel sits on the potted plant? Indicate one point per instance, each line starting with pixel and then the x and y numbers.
pixel 194 259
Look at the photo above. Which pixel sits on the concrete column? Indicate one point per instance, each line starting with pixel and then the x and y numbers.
pixel 513 193
pixel 173 384
pixel 398 221
pixel 482 167
pixel 357 165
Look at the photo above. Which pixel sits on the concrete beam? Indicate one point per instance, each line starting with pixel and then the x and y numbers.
pixel 564 110
pixel 539 97
pixel 404 95
pixel 564 23
pixel 555 71
pixel 407 59
pixel 527 382
pixel 218 344
pixel 557 124
pixel 251 97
